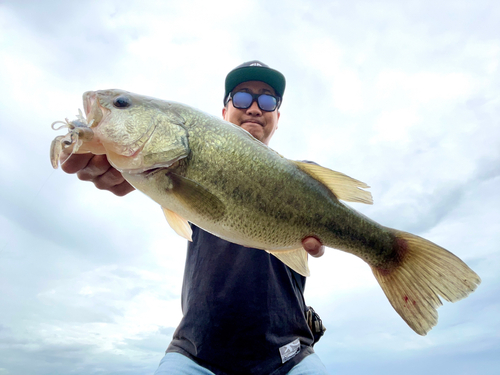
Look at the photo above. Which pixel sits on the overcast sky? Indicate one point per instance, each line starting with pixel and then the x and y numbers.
pixel 403 95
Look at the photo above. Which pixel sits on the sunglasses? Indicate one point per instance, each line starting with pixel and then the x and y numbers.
pixel 244 100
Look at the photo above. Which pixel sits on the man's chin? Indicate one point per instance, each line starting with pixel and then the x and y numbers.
pixel 254 129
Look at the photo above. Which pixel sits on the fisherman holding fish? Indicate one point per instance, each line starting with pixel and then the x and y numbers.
pixel 243 310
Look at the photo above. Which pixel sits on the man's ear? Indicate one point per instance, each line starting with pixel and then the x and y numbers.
pixel 224 110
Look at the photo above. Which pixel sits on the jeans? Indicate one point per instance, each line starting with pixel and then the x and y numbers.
pixel 178 364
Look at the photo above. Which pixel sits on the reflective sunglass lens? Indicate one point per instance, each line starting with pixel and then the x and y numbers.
pixel 267 102
pixel 242 100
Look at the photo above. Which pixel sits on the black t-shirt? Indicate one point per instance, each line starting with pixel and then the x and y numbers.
pixel 243 311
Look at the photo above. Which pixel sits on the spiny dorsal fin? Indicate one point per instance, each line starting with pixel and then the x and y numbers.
pixel 178 224
pixel 344 187
pixel 296 259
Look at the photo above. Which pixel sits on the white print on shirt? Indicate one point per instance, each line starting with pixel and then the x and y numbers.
pixel 289 351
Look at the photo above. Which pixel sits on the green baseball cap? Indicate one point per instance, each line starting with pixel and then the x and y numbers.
pixel 255 71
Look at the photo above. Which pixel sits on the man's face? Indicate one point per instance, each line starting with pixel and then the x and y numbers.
pixel 257 122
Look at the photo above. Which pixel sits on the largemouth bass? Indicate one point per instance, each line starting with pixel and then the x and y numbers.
pixel 214 174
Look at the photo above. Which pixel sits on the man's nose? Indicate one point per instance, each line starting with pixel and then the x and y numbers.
pixel 254 109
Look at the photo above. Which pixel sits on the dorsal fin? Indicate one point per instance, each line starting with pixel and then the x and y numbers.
pixel 344 187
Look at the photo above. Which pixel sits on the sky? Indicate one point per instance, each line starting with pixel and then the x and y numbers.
pixel 401 95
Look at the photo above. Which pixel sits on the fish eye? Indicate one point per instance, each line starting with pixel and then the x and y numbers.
pixel 122 102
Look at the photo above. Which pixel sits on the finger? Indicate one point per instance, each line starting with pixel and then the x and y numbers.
pixel 74 163
pixel 109 179
pixel 313 246
pixel 113 181
pixel 96 167
pixel 122 189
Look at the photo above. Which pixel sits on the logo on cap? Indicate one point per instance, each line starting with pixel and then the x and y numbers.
pixel 255 64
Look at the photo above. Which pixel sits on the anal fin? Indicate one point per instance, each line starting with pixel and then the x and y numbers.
pixel 296 259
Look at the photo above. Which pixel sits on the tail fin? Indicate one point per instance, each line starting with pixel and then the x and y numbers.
pixel 426 272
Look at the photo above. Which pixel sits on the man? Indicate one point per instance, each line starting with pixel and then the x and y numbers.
pixel 244 310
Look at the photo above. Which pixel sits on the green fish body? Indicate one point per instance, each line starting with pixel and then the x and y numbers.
pixel 214 174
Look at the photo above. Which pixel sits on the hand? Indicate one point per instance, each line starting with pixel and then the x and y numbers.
pixel 96 168
pixel 313 246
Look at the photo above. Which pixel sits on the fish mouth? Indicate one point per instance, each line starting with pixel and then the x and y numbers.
pixel 88 99
pixel 94 111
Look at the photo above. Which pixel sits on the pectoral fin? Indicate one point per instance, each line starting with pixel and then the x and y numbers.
pixel 178 224
pixel 343 186
pixel 196 198
pixel 296 259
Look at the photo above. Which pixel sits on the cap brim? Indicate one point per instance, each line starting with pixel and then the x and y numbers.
pixel 256 73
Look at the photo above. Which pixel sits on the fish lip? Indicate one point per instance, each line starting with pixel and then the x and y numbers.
pixel 88 99
pixel 94 111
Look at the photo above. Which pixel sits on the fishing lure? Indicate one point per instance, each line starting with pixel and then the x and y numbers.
pixel 79 131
